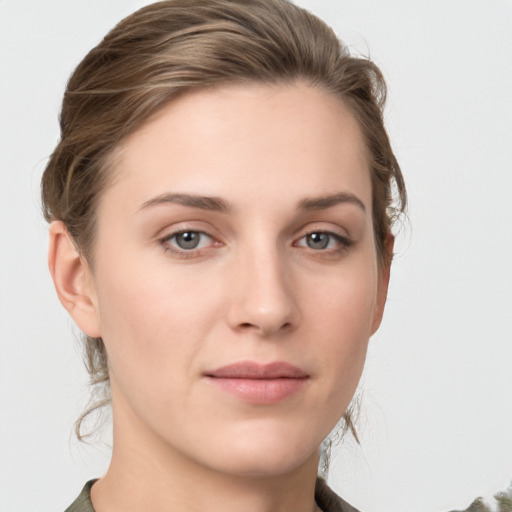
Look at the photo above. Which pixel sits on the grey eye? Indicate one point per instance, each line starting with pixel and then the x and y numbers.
pixel 188 239
pixel 318 241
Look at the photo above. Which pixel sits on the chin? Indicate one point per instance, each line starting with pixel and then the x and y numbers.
pixel 267 454
pixel 268 464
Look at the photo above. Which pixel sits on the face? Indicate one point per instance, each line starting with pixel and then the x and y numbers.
pixel 235 280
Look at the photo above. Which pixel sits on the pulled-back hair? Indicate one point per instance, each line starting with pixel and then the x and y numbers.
pixel 172 47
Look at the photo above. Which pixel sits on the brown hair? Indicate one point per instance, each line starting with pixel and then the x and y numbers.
pixel 171 47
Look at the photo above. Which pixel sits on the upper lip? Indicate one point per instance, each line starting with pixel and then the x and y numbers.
pixel 253 370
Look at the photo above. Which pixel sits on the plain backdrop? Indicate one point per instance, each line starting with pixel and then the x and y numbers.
pixel 436 420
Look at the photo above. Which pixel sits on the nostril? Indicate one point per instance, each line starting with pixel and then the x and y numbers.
pixel 248 325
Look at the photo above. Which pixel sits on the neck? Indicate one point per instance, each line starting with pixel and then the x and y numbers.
pixel 148 475
pixel 140 484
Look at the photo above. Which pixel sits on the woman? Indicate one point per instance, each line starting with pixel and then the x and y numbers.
pixel 221 211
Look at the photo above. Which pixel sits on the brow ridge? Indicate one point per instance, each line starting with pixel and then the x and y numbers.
pixel 324 202
pixel 220 205
pixel 194 201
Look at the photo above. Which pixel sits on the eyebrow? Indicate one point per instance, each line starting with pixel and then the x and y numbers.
pixel 324 202
pixel 214 204
pixel 217 204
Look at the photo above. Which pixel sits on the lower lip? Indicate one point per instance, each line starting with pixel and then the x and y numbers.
pixel 260 391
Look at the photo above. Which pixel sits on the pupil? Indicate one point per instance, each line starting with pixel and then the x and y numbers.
pixel 318 240
pixel 188 240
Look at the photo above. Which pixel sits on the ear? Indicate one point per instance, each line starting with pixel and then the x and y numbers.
pixel 383 282
pixel 73 280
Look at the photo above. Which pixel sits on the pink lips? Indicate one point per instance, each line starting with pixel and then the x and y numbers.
pixel 259 383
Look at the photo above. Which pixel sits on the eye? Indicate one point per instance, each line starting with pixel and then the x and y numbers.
pixel 318 241
pixel 187 240
pixel 322 240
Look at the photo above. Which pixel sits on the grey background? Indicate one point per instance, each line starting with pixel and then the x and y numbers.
pixel 436 422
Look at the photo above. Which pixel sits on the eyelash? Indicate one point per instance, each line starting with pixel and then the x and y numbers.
pixel 180 252
pixel 342 243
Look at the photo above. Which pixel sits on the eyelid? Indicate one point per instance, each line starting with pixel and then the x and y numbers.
pixel 342 239
pixel 323 227
pixel 174 250
pixel 175 234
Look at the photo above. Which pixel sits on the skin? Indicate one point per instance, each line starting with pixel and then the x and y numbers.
pixel 255 289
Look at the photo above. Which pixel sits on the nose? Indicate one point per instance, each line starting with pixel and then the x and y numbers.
pixel 264 296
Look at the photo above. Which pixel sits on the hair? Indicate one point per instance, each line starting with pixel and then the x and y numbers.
pixel 172 47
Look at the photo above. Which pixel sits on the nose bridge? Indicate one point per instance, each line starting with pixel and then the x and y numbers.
pixel 264 299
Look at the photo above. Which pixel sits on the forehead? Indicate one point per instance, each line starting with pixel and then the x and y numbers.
pixel 264 139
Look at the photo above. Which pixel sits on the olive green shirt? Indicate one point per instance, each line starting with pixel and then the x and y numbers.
pixel 326 499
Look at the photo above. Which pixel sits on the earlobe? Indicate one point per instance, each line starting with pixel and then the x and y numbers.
pixel 72 279
pixel 382 288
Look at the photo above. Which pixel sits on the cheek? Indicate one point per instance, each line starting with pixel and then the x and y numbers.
pixel 343 318
pixel 154 318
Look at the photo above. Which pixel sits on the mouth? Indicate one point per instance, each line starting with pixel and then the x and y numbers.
pixel 259 384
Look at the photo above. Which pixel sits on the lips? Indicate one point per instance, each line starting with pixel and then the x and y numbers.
pixel 259 384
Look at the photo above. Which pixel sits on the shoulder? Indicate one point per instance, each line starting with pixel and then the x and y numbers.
pixel 328 500
pixel 83 502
